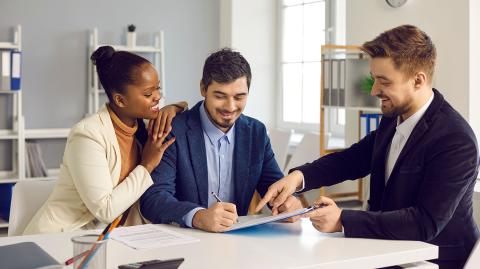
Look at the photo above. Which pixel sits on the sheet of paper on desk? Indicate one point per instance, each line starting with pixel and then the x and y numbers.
pixel 249 221
pixel 149 236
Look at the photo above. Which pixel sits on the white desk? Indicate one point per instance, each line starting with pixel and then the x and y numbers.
pixel 276 245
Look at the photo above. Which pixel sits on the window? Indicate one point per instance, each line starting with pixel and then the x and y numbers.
pixel 305 28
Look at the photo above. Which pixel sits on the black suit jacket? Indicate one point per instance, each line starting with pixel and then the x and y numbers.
pixel 428 196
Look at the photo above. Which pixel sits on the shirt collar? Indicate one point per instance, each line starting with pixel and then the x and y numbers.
pixel 213 132
pixel 405 128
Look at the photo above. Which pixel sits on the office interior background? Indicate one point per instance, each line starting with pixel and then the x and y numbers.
pixel 281 39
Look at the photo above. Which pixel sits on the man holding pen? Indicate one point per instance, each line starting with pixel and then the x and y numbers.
pixel 217 149
pixel 422 160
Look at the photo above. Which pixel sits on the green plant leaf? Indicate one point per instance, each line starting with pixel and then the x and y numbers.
pixel 367 84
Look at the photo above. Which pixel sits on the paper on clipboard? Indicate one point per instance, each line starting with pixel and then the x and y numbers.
pixel 262 220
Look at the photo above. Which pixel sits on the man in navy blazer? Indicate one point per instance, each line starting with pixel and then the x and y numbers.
pixel 217 150
pixel 422 160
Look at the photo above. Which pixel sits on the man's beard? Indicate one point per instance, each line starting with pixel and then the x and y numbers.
pixel 224 123
pixel 394 111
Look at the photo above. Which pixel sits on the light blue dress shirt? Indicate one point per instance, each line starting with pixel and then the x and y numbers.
pixel 219 148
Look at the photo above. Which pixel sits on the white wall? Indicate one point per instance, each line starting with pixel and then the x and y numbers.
pixel 249 26
pixel 474 59
pixel 475 81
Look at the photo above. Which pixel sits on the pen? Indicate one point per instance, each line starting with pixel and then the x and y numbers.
pixel 216 197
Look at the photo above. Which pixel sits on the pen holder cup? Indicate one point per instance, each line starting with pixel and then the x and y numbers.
pixel 88 252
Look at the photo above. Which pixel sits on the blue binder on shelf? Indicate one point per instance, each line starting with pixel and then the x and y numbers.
pixel 16 70
pixel 369 122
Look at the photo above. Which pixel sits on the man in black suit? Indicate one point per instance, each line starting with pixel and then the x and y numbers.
pixel 422 160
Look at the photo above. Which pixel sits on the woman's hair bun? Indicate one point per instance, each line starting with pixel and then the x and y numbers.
pixel 102 55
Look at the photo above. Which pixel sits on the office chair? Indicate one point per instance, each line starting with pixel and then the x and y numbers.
pixel 280 139
pixel 27 198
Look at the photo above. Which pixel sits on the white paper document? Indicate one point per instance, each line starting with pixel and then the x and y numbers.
pixel 249 222
pixel 149 236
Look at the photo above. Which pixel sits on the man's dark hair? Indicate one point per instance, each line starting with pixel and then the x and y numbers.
pixel 225 66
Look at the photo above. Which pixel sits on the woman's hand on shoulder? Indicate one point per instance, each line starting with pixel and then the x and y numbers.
pixel 153 151
pixel 162 125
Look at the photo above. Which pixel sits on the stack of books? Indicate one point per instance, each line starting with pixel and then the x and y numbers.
pixel 35 166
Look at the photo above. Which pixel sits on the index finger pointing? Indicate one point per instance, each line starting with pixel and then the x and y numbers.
pixel 264 201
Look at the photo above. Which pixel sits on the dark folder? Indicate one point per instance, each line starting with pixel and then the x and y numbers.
pixel 25 255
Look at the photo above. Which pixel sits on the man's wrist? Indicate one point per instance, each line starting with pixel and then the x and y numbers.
pixel 188 218
pixel 197 219
pixel 300 180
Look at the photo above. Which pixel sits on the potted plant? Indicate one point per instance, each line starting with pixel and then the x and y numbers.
pixel 131 36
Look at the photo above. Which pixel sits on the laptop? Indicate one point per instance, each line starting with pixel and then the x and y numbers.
pixel 26 255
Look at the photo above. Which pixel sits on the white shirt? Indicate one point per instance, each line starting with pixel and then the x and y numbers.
pixel 401 136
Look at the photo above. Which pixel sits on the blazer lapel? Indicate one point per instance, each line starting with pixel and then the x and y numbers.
pixel 107 122
pixel 412 141
pixel 382 141
pixel 198 154
pixel 241 161
pixel 418 131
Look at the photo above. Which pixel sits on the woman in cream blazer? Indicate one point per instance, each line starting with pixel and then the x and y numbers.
pixel 89 192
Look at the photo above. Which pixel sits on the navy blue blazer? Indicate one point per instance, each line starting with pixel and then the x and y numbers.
pixel 428 196
pixel 181 179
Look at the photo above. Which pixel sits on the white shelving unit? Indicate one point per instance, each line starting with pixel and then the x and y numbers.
pixel 158 51
pixel 18 134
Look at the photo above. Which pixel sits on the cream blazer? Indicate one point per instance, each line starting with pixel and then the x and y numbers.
pixel 88 192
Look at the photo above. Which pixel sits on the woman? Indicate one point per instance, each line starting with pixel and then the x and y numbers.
pixel 104 170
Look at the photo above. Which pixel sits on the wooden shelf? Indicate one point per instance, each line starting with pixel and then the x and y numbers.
pixel 342 68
